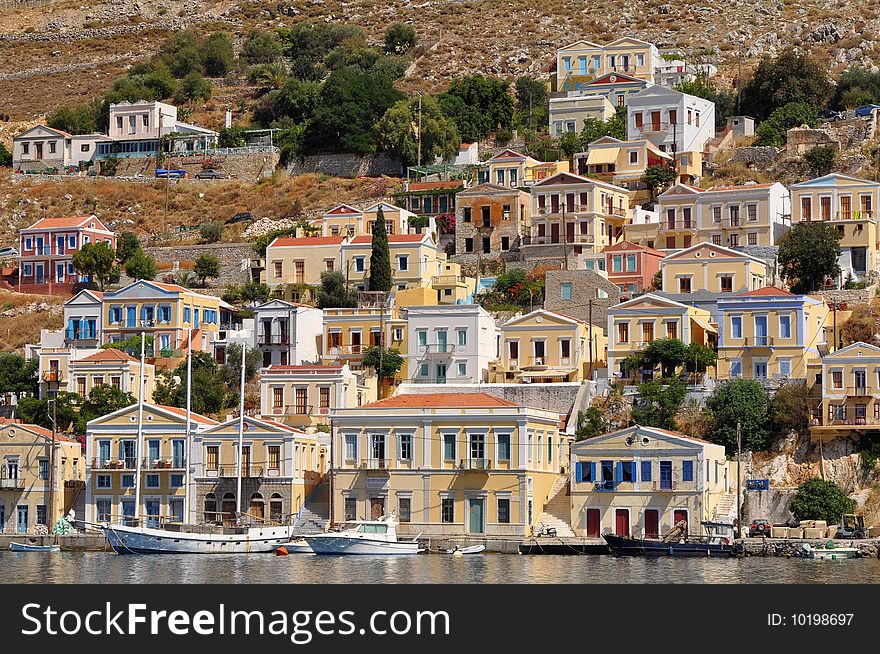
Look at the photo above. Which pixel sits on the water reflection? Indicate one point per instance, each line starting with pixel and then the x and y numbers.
pixel 100 567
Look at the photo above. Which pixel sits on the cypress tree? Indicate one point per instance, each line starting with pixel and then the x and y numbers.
pixel 380 257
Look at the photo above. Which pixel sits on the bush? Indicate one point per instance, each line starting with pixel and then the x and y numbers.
pixel 773 130
pixel 217 54
pixel 590 423
pixel 5 157
pixel 261 48
pixel 207 265
pixel 212 231
pixel 193 87
pixel 741 401
pixel 817 499
pixel 399 38
pixel 820 159
pixel 141 266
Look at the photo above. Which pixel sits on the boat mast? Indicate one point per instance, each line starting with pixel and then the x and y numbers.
pixel 240 429
pixel 140 438
pixel 187 518
pixel 50 512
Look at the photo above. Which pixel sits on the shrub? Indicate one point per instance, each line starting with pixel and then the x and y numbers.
pixel 399 38
pixel 820 159
pixel 817 499
pixel 212 231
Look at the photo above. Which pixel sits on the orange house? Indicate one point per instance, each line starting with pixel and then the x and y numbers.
pixel 632 267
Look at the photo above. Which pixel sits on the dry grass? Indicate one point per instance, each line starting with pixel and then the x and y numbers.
pixel 16 331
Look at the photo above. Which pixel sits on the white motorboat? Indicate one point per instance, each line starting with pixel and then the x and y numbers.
pixel 196 539
pixel 469 549
pixel 364 537
pixel 26 547
pixel 298 546
pixel 828 553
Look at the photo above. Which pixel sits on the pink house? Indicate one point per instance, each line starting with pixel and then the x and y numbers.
pixel 46 252
pixel 632 267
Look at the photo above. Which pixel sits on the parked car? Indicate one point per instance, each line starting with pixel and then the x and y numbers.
pixel 162 172
pixel 867 110
pixel 209 173
pixel 8 252
pixel 830 115
pixel 759 528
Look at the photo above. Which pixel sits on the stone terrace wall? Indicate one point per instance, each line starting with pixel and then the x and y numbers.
pixel 553 397
pixel 347 165
pixel 852 297
pixel 584 285
pixel 234 258
pixel 250 167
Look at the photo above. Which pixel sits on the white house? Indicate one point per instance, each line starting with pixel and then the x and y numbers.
pixel 286 333
pixel 671 120
pixel 42 149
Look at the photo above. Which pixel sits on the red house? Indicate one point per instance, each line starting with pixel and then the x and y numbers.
pixel 632 267
pixel 46 252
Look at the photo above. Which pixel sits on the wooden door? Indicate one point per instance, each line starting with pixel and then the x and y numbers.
pixel 569 232
pixel 594 523
pixel 554 233
pixel 377 508
pixel 652 523
pixel 678 515
pixel 621 522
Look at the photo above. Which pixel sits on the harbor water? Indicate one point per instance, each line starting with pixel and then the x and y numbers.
pixel 108 568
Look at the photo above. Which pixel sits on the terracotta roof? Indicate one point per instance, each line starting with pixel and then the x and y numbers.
pixel 110 354
pixel 740 187
pixel 282 426
pixel 633 246
pixel 198 417
pixel 426 186
pixel 287 242
pixel 392 238
pixel 57 223
pixel 170 287
pixel 677 434
pixel 37 429
pixel 440 400
pixel 767 291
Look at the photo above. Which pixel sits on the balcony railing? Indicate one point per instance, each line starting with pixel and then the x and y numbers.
pixel 664 485
pixel 53 376
pixel 125 463
pixel 375 464
pixel 758 341
pixel 843 422
pixel 342 350
pixel 226 472
pixel 448 280
pixel 11 483
pixel 273 339
pixel 671 225
pixel 475 464
pixel 164 464
pixel 441 348
pixel 78 336
pixel 608 486
pixel 861 390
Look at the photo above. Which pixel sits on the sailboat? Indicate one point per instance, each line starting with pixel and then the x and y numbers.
pixel 185 537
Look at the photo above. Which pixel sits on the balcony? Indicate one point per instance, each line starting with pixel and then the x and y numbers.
pixel 164 464
pixel 441 348
pixel 53 376
pixel 861 390
pixel 475 464
pixel 11 483
pixel 273 339
pixel 679 225
pixel 231 472
pixel 758 341
pixel 607 486
pixel 664 485
pixel 81 338
pixel 375 464
pixel 844 422
pixel 448 280
pixel 346 350
pixel 126 463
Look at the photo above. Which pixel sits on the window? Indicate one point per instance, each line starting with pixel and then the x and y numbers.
pixel 503 447
pixel 565 291
pixel 726 283
pixel 836 379
pixel 351 447
pixel 784 326
pixel 103 509
pixel 324 397
pixel 350 508
pixel 487 245
pixel 405 443
pixel 103 481
pixel 146 120
pixel 628 471
pixel 617 263
pixel 634 156
pixel 623 332
pixel 25 148
pixel 736 368
pixel 504 510
pixel 403 263
pixel 585 471
pixel 469 244
pixel 671 329
pixel 44 468
pixel 447 509
pixel 687 470
pixel 212 457
pixel 647 332
pixel 505 243
pixel 152 481
pixel 646 471
pixel 785 367
pixel 404 509
pixel 734 240
pixel 736 326
pixel 176 480
pixel 423 370
pixel 670 242
pixel 752 238
pixel 127 481
pixel 684 284
pixel 486 215
pixel 53 145
pixel 462 337
pixel 466 214
pixel 449 447
pixel 359 264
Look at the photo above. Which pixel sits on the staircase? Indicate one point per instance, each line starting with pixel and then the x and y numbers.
pixel 315 512
pixel 725 510
pixel 557 511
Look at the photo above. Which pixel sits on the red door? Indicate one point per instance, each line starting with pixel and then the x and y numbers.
pixel 554 233
pixel 621 522
pixel 652 523
pixel 678 515
pixel 593 523
pixel 569 232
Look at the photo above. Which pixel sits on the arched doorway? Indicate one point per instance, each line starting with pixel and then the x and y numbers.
pixel 258 508
pixel 211 515
pixel 276 507
pixel 229 508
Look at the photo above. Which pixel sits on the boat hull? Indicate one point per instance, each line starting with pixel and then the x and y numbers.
pixel 334 544
pixel 622 546
pixel 296 547
pixel 24 547
pixel 146 540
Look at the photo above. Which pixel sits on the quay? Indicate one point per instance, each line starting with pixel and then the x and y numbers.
pixel 72 543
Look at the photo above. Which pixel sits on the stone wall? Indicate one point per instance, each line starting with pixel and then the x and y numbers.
pixel 246 166
pixel 347 165
pixel 553 397
pixel 852 297
pixel 584 287
pixel 755 157
pixel 234 258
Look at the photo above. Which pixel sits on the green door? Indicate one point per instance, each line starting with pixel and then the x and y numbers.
pixel 475 508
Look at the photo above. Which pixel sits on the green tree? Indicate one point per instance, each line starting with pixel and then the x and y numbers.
pixel 820 159
pixel 817 499
pixel 34 411
pixel 80 119
pixel 741 401
pixel 193 87
pixel 217 54
pixel 478 105
pixel 101 400
pixel 399 38
pixel 790 408
pixel 211 231
pixel 657 281
pixel 231 137
pixel 18 375
pixel 773 130
pixel 334 292
pixel 701 87
pixel 397 132
pixel 261 48
pixel 668 353
pixel 95 260
pixel 269 76
pixel 392 362
pixel 532 104
pixel 789 77
pixel 595 129
pixel 254 291
pixel 658 403
pixel 590 423
pixel 127 245
pixel 698 357
pixel 231 370
pixel 131 345
pixel 808 254
pixel 141 266
pixel 380 257
pixel 209 390
pixel 5 157
pixel 856 87
pixel 657 178
pixel 207 265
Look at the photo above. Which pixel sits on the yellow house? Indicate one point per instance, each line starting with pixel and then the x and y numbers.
pixel 750 214
pixel 303 396
pixel 414 259
pixel 850 393
pixel 578 212
pixel 544 346
pixel 569 113
pixel 448 464
pixel 345 220
pixel 769 334
pixel 848 204
pixel 112 462
pixel 633 324
pixel 279 467
pixel 291 261
pixel 713 268
pixel 165 312
pixel 452 286
pixel 641 481
pixel 582 61
pixel 111 367
pixel 351 330
pixel 25 460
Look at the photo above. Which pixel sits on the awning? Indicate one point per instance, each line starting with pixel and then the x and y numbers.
pixel 548 372
pixel 706 326
pixel 602 156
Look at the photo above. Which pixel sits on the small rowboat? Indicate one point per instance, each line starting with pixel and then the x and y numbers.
pixel 470 549
pixel 294 547
pixel 25 547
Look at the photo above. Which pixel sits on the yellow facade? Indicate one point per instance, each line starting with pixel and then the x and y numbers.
pixel 291 261
pixel 350 331
pixel 543 346
pixel 641 481
pixel 414 260
pixel 584 61
pixel 849 393
pixel 25 457
pixel 447 464
pixel 769 334
pixel 451 285
pixel 712 268
pixel 634 324
pixel 348 221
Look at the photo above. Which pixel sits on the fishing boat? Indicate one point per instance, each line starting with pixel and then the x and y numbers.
pixel 298 546
pixel 364 537
pixel 718 542
pixel 470 549
pixel 27 547
pixel 827 553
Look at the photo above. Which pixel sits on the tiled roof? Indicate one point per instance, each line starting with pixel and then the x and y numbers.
pixel 740 187
pixel 170 287
pixel 110 354
pixel 633 246
pixel 287 242
pixel 440 400
pixel 767 291
pixel 392 238
pixel 58 223
pixel 197 417
pixel 37 429
pixel 427 186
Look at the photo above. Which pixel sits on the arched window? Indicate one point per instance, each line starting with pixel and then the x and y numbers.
pixel 276 507
pixel 229 509
pixel 211 508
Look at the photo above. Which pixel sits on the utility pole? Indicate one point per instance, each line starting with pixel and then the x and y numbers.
pixel 564 238
pixel 140 436
pixel 332 464
pixel 738 480
pixel 241 433
pixel 419 134
pixel 381 379
pixel 590 321
pixel 50 510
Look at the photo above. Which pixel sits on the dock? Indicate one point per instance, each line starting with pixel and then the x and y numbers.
pixel 563 545
pixel 74 543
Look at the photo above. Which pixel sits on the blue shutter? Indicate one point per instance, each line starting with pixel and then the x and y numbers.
pixel 592 471
pixel 70 328
pixel 578 472
pixel 687 470
pixel 619 473
pixel 646 471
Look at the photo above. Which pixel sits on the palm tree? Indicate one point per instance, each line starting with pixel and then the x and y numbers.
pixel 271 75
